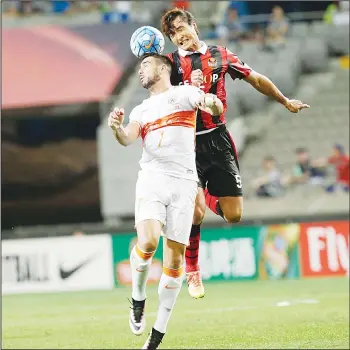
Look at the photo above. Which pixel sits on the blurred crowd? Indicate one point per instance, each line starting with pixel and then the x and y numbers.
pixel 271 182
pixel 118 10
pixel 110 10
pixel 236 26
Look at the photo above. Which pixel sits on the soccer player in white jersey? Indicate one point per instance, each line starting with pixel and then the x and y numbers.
pixel 167 184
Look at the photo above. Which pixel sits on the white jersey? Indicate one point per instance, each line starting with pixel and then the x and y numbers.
pixel 167 125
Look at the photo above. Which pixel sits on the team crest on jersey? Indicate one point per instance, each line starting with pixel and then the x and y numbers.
pixel 172 100
pixel 212 62
pixel 180 70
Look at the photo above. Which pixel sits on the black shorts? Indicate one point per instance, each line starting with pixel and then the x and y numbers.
pixel 217 163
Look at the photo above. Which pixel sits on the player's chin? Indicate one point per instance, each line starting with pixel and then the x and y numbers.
pixel 187 45
pixel 144 83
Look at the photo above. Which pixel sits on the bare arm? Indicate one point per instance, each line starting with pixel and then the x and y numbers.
pixel 127 135
pixel 124 135
pixel 264 85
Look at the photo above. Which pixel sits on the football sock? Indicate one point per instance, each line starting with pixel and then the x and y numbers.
pixel 192 250
pixel 169 288
pixel 140 262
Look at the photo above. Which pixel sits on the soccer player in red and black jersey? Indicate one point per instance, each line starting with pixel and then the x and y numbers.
pixel 220 183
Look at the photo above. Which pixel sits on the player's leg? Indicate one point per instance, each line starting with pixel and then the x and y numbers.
pixel 193 276
pixel 148 233
pixel 169 288
pixel 179 219
pixel 150 215
pixel 224 189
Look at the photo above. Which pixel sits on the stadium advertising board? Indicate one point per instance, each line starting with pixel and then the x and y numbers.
pixel 279 251
pixel 122 247
pixel 324 249
pixel 229 253
pixel 225 254
pixel 57 264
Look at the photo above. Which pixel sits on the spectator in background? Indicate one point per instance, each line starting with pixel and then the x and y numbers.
pixel 340 160
pixel 123 9
pixel 306 171
pixel 341 16
pixel 269 184
pixel 115 11
pixel 25 7
pixel 232 30
pixel 329 13
pixel 277 29
pixel 211 33
pixel 182 4
pixel 241 7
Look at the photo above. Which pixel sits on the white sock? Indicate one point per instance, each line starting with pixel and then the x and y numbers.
pixel 140 265
pixel 168 290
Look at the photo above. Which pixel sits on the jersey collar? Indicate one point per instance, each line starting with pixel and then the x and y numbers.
pixel 202 50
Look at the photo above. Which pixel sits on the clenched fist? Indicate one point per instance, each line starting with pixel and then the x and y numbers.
pixel 197 78
pixel 116 118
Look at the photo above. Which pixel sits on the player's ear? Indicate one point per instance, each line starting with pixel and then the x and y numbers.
pixel 163 68
pixel 194 25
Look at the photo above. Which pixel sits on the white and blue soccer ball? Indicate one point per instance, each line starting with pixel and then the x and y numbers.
pixel 146 40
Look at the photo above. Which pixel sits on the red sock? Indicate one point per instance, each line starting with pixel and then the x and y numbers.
pixel 192 251
pixel 213 203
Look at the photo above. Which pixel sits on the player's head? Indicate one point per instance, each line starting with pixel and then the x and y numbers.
pixel 179 26
pixel 153 68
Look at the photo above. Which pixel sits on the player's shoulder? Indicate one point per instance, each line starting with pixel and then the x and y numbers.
pixel 185 89
pixel 219 48
pixel 169 55
pixel 139 108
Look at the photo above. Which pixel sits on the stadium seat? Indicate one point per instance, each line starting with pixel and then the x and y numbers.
pixel 249 99
pixel 314 56
pixel 233 109
pixel 320 30
pixel 299 30
pixel 338 40
pixel 325 123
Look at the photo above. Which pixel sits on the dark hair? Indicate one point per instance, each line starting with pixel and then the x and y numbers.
pixel 269 159
pixel 169 17
pixel 300 150
pixel 339 147
pixel 160 58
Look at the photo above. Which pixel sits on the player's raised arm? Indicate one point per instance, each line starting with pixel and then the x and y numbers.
pixel 124 135
pixel 264 85
pixel 240 70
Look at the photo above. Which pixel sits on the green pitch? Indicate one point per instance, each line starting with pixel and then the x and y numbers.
pixel 313 314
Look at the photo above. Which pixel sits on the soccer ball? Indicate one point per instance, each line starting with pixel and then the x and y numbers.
pixel 145 40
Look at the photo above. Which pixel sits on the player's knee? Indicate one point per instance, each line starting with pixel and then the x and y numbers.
pixel 198 215
pixel 176 262
pixel 148 244
pixel 234 216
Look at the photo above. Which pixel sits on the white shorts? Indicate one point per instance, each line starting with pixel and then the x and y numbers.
pixel 169 200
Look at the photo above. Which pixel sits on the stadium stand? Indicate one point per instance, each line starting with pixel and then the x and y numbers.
pixel 298 69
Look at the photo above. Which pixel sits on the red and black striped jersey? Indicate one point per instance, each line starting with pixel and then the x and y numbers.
pixel 215 63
